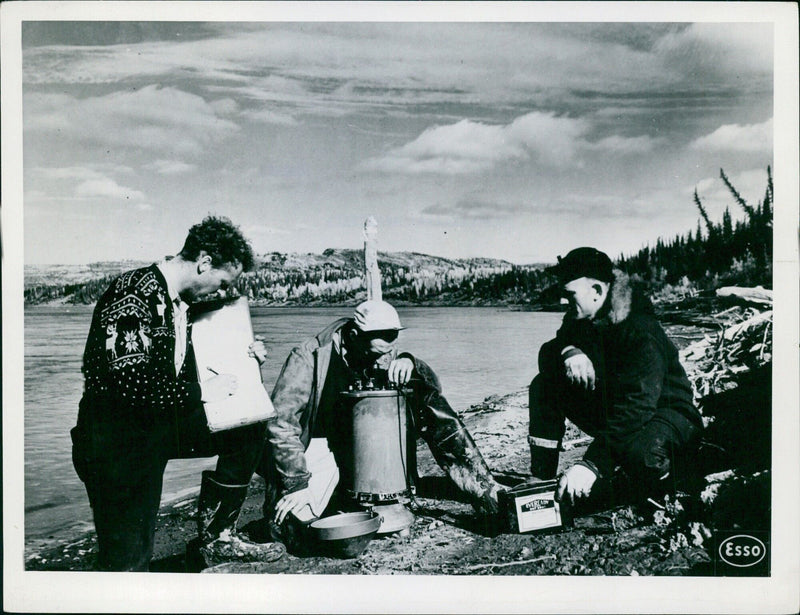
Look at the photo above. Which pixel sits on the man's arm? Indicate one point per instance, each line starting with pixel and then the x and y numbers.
pixel 290 397
pixel 450 443
pixel 575 340
pixel 635 392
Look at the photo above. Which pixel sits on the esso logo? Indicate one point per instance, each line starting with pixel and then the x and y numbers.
pixel 742 550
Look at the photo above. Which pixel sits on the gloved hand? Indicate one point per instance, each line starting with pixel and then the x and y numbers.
pixel 580 370
pixel 577 482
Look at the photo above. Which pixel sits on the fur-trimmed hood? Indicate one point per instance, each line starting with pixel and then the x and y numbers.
pixel 623 300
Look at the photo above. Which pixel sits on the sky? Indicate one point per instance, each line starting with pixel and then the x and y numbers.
pixel 517 141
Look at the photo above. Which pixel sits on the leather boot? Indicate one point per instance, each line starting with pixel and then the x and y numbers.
pixel 218 541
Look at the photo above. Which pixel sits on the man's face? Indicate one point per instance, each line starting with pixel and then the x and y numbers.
pixel 583 298
pixel 377 347
pixel 210 279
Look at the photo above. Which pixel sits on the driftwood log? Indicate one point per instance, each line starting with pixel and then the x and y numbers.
pixel 731 373
pixel 758 295
pixel 716 362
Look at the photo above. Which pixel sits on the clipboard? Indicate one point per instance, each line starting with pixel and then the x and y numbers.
pixel 221 338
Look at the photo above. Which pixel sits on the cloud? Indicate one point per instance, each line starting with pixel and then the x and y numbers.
pixel 738 138
pixel 627 145
pixel 711 50
pixel 81 183
pixel 106 187
pixel 469 147
pixel 170 167
pixel 97 171
pixel 474 209
pixel 260 229
pixel 105 64
pixel 282 85
pixel 224 106
pixel 153 117
pixel 266 116
pixel 328 68
pixel 592 204
pixel 460 148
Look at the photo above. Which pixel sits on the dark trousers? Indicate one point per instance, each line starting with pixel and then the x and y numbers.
pixel 653 459
pixel 659 460
pixel 125 514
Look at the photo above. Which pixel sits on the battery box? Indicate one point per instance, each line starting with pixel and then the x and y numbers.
pixel 532 507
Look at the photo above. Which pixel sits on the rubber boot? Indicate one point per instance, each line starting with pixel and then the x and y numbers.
pixel 218 541
pixel 457 454
pixel 544 461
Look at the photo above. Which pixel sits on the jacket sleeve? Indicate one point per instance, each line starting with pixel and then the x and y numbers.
pixel 449 441
pixel 290 398
pixel 140 377
pixel 425 382
pixel 635 394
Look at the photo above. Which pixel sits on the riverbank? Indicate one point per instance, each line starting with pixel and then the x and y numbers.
pixel 446 537
pixel 664 538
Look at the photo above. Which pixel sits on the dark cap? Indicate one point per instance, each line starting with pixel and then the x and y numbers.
pixel 584 263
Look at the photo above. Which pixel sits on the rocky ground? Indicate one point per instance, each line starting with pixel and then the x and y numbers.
pixel 657 538
pixel 446 537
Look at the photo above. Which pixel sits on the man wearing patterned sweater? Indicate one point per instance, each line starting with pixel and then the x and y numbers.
pixel 142 405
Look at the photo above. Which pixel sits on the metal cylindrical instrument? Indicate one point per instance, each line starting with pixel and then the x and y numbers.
pixel 379 444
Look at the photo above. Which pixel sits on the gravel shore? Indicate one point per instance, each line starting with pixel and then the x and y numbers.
pixel 448 538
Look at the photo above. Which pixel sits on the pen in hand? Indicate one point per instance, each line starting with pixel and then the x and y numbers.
pixel 213 371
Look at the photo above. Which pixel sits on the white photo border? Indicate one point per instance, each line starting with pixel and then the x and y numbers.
pixel 26 591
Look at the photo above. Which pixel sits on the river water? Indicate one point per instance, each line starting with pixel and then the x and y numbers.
pixel 476 352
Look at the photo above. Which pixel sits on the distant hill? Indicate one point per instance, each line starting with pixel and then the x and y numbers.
pixel 51 275
pixel 331 278
pixel 671 271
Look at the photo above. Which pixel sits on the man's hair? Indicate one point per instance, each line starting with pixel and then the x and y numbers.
pixel 218 237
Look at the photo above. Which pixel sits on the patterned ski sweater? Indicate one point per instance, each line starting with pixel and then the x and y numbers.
pixel 129 357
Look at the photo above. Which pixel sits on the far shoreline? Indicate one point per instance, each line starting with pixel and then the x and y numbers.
pixel 514 307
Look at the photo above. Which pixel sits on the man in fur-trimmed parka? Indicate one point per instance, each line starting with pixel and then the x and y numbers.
pixel 611 370
pixel 307 402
